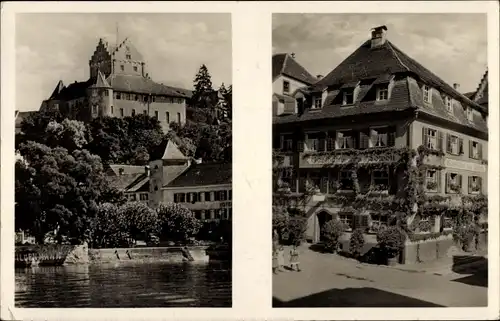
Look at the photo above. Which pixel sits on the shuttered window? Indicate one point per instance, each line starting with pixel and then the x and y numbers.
pixel 475 184
pixel 432 139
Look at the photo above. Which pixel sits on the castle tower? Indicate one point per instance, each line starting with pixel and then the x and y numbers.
pixel 100 97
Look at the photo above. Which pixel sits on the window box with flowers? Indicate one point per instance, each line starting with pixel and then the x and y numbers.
pixel 432 178
pixel 447 223
pixel 453 183
pixel 474 184
pixel 424 226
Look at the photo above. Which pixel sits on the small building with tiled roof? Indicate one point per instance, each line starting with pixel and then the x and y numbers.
pixel 119 86
pixel 288 76
pixel 132 180
pixel 343 137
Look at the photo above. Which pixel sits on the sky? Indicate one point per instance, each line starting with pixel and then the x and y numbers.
pixel 58 46
pixel 452 46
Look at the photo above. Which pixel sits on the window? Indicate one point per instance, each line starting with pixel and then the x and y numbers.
pixel 287 143
pixel 121 112
pixel 449 103
pixel 454 145
pixel 380 179
pixel 345 180
pixel 157 115
pixel 112 111
pixel 317 103
pixel 432 181
pixel 475 184
pixel 470 114
pixel 348 98
pixel 427 94
pixel 230 194
pixel 453 183
pixel 143 196
pixel 212 214
pixel 475 150
pixel 345 140
pixel 207 197
pixel 167 117
pixel 133 112
pixel 136 97
pixel 145 112
pixel 382 137
pixel 106 93
pixel 383 93
pixel 133 197
pixel 378 221
pixel 145 98
pixel 197 215
pixel 118 96
pixel 179 198
pixel 179 118
pixel 135 68
pixel 346 219
pixel 432 138
pixel 129 57
pixel 122 67
pixel 286 87
pixel 94 109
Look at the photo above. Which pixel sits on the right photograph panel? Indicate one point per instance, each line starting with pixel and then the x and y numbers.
pixel 380 160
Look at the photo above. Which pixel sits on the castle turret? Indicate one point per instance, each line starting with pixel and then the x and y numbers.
pixel 100 97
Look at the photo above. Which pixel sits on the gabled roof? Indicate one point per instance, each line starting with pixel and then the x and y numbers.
pixel 126 177
pixel 143 85
pixel 285 64
pixel 204 174
pixel 75 90
pixel 172 152
pixel 480 96
pixel 57 90
pixel 370 66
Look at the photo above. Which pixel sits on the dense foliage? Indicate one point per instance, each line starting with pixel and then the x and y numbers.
pixel 177 223
pixel 356 242
pixel 391 240
pixel 332 232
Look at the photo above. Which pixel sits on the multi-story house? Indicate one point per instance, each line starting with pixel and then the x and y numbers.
pixel 132 180
pixel 379 137
pixel 119 86
pixel 288 77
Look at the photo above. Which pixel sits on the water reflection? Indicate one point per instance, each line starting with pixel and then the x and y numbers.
pixel 125 285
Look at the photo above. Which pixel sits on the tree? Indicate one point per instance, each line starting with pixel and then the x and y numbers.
pixel 333 230
pixel 107 226
pixel 58 190
pixel 141 220
pixel 177 223
pixel 203 94
pixel 70 134
pixel 33 127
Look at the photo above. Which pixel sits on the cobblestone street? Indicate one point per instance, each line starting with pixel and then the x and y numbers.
pixel 328 280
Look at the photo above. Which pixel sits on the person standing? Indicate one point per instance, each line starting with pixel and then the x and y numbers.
pixel 294 258
pixel 275 261
pixel 281 258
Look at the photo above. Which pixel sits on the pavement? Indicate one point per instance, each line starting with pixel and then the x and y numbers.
pixel 329 280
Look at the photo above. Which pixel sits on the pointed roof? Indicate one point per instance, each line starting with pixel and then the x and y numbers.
pixel 172 152
pixel 285 64
pixel 100 81
pixel 480 96
pixel 57 90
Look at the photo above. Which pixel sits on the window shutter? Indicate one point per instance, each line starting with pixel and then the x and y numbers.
pixel 448 143
pixel 384 139
pixel 424 136
pixel 438 180
pixel 470 184
pixel 373 136
pixel 282 142
pixel 460 180
pixel 440 141
pixel 470 148
pixel 364 221
pixel 324 184
pixel 363 140
pixel 480 150
pixel 480 183
pixel 321 144
pixel 447 182
pixel 460 146
pixel 300 146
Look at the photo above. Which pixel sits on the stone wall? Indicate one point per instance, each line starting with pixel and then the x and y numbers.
pixel 167 254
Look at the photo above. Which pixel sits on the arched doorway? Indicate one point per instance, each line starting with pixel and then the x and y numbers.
pixel 323 218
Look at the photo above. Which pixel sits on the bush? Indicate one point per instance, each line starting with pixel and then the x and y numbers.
pixel 391 240
pixel 297 226
pixel 357 241
pixel 464 234
pixel 332 231
pixel 177 223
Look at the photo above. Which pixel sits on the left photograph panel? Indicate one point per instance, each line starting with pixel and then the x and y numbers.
pixel 123 175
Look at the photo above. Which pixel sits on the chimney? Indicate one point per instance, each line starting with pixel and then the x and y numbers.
pixel 456 86
pixel 147 170
pixel 293 55
pixel 378 36
pixel 121 170
pixel 319 76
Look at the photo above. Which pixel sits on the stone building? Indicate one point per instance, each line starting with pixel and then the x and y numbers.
pixel 119 86
pixel 376 124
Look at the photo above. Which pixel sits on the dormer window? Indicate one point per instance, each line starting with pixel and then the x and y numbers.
pixel 348 98
pixel 383 93
pixel 449 103
pixel 470 114
pixel 129 56
pixel 122 67
pixel 427 94
pixel 317 103
pixel 286 87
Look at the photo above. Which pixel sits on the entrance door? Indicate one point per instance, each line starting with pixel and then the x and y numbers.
pixel 323 218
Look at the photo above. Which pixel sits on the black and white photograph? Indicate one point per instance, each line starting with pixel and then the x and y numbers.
pixel 380 160
pixel 123 170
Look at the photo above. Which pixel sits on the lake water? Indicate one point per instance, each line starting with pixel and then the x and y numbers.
pixel 125 285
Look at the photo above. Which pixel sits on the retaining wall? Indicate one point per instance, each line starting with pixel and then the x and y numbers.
pixel 167 254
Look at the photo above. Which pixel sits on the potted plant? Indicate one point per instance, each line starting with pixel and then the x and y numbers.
pixel 455 188
pixel 332 232
pixel 391 241
pixel 431 186
pixel 356 242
